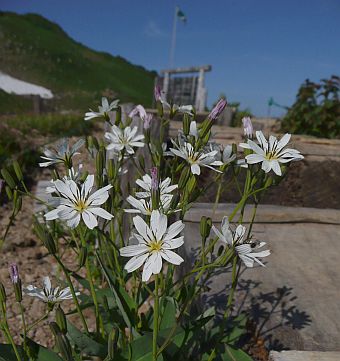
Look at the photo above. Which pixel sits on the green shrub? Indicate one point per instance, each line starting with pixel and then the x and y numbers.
pixel 316 110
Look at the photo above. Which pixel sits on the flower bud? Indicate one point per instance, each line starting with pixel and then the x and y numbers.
pixel 186 124
pixel 82 256
pixel 3 296
pixel 62 342
pixel 61 320
pixel 18 171
pixel 147 121
pixel 205 227
pixel 218 109
pixel 8 178
pixel 100 161
pixel 154 179
pixel 118 115
pixel 247 127
pixel 49 243
pixel 9 192
pixel 16 281
pixel 111 344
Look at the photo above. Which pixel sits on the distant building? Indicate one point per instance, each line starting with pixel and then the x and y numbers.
pixel 185 85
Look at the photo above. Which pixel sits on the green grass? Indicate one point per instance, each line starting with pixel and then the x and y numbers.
pixel 22 136
pixel 38 51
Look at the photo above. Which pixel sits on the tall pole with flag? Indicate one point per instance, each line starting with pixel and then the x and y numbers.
pixel 178 15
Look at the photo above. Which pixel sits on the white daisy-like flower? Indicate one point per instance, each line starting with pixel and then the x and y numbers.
pixel 244 248
pixel 144 206
pixel 62 153
pixel 48 294
pixel 155 242
pixel 72 174
pixel 103 110
pixel 124 139
pixel 76 203
pixel 196 159
pixel 165 187
pixel 271 153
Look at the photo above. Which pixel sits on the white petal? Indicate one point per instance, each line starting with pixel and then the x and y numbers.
pixel 135 262
pixel 276 167
pixel 87 185
pixel 158 223
pixel 52 214
pixel 195 169
pixel 100 212
pixel 141 227
pixel 73 222
pixel 89 219
pixel 47 283
pixel 174 230
pixel 173 243
pixel 172 257
pixel 283 141
pixel 156 260
pixel 147 270
pixel 254 158
pixel 134 250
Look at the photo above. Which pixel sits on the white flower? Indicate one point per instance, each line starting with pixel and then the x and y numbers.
pixel 61 153
pixel 77 203
pixel 72 174
pixel 49 294
pixel 124 139
pixel 165 187
pixel 227 156
pixel 243 248
pixel 196 159
pixel 271 153
pixel 155 242
pixel 103 110
pixel 144 206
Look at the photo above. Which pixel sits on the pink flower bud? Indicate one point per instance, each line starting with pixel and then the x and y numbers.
pixel 248 127
pixel 138 110
pixel 14 273
pixel 154 178
pixel 218 109
pixel 147 121
pixel 157 93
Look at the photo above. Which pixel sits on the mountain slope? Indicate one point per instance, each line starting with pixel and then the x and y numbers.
pixel 36 50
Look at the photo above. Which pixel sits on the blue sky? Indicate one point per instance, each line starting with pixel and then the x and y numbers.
pixel 257 48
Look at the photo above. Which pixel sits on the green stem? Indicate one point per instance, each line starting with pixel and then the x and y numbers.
pixel 155 321
pixel 37 321
pixel 75 299
pixel 89 278
pixel 8 333
pixel 23 325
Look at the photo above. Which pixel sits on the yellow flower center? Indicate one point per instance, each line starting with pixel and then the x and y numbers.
pixel 271 156
pixel 155 246
pixel 80 206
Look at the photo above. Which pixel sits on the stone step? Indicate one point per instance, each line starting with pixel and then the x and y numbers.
pixel 304 356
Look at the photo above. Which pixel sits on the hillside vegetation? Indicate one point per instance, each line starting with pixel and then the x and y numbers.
pixel 36 50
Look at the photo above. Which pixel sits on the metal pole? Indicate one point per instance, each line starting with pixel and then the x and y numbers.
pixel 173 40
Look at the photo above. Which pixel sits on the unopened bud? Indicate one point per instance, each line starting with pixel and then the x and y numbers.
pixel 49 243
pixel 218 109
pixel 247 127
pixel 8 178
pixel 61 320
pixel 3 296
pixel 186 124
pixel 18 171
pixel 82 256
pixel 205 227
pixel 112 344
pixel 62 342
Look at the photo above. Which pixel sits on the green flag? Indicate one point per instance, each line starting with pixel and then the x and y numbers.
pixel 181 16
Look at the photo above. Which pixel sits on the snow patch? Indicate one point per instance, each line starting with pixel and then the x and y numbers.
pixel 12 85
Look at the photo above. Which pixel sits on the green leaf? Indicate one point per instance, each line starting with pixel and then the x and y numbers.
pixel 85 343
pixel 236 330
pixel 37 352
pixel 232 354
pixel 168 312
pixel 141 349
pixel 124 302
